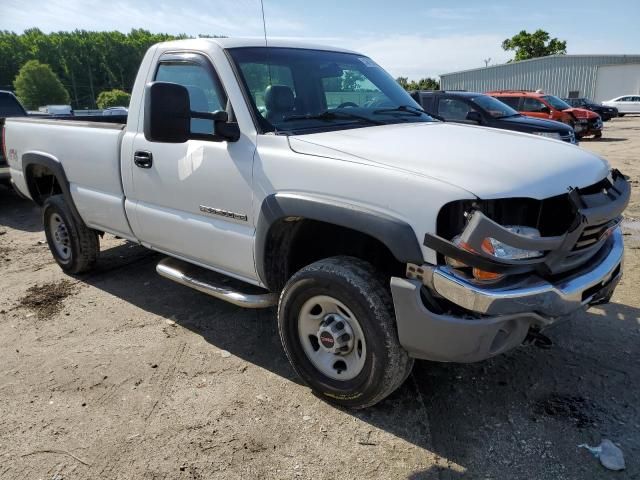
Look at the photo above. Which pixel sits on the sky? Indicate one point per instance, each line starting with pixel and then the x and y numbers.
pixel 411 38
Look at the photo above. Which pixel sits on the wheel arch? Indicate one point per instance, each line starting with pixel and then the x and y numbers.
pixel 283 216
pixel 35 166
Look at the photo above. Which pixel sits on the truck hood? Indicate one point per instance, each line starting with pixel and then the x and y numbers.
pixel 535 124
pixel 488 163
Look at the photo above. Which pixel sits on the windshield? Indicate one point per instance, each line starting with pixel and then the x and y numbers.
pixel 297 90
pixel 556 103
pixel 494 107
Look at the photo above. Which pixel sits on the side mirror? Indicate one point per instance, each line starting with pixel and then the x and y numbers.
pixel 167 116
pixel 167 113
pixel 222 128
pixel 474 116
pixel 546 110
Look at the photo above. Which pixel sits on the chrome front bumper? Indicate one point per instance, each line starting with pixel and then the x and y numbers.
pixel 532 293
pixel 500 316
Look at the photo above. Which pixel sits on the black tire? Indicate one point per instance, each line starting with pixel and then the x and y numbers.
pixel 83 243
pixel 621 114
pixel 597 135
pixel 359 287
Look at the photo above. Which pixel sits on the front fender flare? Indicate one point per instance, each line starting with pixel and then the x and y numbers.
pixel 397 235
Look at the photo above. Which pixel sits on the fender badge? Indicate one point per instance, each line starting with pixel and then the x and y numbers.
pixel 223 213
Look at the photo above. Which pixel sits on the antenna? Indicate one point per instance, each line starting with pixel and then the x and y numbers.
pixel 266 46
pixel 486 61
pixel 264 24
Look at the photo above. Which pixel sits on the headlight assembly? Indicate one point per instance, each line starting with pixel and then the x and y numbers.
pixel 499 250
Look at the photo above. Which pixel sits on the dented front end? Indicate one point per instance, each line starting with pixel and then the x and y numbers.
pixel 572 231
pixel 509 266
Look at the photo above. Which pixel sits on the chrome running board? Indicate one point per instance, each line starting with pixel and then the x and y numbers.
pixel 215 284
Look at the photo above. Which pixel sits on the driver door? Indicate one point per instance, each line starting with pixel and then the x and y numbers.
pixel 533 107
pixel 193 200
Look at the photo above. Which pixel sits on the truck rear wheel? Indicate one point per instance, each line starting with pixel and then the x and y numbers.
pixel 337 326
pixel 74 246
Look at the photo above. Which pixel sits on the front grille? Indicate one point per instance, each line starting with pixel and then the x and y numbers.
pixel 591 235
pixel 596 124
pixel 605 192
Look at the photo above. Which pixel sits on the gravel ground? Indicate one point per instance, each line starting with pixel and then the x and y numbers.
pixel 123 374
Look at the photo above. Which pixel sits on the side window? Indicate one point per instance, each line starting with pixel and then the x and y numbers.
pixel 513 102
pixel 453 109
pixel 426 102
pixel 260 76
pixel 205 92
pixel 624 99
pixel 636 99
pixel 533 105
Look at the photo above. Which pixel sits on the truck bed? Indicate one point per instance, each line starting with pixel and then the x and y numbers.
pixel 89 151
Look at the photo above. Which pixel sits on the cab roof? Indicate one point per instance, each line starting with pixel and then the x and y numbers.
pixel 239 42
pixel 521 93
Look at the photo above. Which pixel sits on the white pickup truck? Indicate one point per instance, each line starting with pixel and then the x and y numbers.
pixel 304 177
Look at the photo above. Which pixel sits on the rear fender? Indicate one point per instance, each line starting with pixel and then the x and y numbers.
pixel 32 160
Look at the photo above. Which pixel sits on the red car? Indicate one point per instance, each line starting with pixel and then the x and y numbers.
pixel 540 105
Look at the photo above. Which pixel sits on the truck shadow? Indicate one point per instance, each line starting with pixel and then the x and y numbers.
pixel 466 414
pixel 603 139
pixel 17 212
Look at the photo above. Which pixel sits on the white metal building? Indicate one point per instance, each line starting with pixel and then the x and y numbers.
pixel 599 77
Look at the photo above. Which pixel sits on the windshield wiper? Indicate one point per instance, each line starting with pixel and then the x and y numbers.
pixel 328 116
pixel 402 109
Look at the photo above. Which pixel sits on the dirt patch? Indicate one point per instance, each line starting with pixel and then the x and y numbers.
pixel 46 300
pixel 573 408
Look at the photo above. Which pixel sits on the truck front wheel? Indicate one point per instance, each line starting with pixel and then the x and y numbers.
pixel 336 322
pixel 75 247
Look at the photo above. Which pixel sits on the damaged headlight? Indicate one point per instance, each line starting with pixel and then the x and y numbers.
pixel 498 249
pixel 502 250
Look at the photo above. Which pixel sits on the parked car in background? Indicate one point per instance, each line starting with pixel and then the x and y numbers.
pixel 10 106
pixel 539 105
pixel 115 111
pixel 57 110
pixel 605 112
pixel 480 109
pixel 625 104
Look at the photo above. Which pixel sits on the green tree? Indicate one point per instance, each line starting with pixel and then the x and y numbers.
pixel 37 85
pixel 427 83
pixel 351 80
pixel 113 98
pixel 533 45
pixel 86 62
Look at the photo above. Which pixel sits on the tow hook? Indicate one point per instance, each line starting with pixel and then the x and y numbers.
pixel 537 339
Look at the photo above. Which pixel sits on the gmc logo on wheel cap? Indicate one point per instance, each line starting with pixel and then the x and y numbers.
pixel 327 340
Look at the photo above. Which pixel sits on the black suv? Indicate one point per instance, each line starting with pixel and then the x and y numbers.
pixel 9 107
pixel 606 113
pixel 480 109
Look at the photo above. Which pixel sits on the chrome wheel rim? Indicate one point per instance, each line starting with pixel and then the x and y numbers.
pixel 60 237
pixel 332 338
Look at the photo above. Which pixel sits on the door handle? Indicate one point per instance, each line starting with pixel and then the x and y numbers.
pixel 143 159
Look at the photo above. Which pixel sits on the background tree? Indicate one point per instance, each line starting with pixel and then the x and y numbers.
pixel 113 98
pixel 427 83
pixel 37 85
pixel 86 62
pixel 534 45
pixel 351 80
